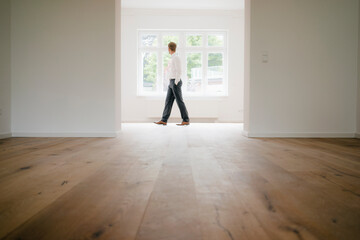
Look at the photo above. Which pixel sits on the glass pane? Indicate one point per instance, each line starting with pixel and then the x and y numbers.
pixel 166 58
pixel 170 38
pixel 149 71
pixel 216 40
pixel 194 72
pixel 149 40
pixel 215 72
pixel 194 40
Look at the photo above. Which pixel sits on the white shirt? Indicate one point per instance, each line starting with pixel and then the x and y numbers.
pixel 174 68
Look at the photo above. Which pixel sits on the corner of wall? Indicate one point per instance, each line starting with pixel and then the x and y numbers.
pixel 357 135
pixel 247 34
pixel 117 66
pixel 5 69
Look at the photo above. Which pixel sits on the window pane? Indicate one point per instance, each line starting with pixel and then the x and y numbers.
pixel 216 40
pixel 194 40
pixel 170 38
pixel 166 58
pixel 149 40
pixel 194 72
pixel 215 72
pixel 149 71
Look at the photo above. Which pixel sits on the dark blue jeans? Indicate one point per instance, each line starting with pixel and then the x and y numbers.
pixel 174 92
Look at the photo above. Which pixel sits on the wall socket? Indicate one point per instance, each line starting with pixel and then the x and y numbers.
pixel 264 57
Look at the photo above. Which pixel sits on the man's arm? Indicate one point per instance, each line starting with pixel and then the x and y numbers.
pixel 177 64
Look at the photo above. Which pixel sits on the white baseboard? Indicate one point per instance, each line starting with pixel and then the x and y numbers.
pixel 116 134
pixel 64 134
pixel 302 135
pixel 5 135
pixel 245 133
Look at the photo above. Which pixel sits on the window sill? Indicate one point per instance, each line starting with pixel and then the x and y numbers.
pixel 186 97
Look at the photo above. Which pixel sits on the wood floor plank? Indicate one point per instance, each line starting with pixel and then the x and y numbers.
pixel 255 194
pixel 172 209
pixel 14 167
pixel 116 181
pixel 297 201
pixel 27 145
pixel 35 188
pixel 346 180
pixel 8 142
pixel 326 155
pixel 222 213
pixel 300 161
pixel 204 181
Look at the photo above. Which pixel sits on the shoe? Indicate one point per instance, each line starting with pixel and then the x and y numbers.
pixel 160 123
pixel 183 124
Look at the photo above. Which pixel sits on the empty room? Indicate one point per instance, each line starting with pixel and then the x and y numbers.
pixel 180 120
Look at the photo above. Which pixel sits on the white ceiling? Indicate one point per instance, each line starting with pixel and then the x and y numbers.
pixel 184 4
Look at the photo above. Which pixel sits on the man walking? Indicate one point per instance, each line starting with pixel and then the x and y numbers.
pixel 174 89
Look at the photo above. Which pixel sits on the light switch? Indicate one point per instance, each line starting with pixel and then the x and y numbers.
pixel 265 57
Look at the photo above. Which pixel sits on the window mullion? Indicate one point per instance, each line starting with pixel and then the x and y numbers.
pixel 204 51
pixel 140 73
pixel 205 80
pixel 161 67
pixel 182 41
pixel 159 75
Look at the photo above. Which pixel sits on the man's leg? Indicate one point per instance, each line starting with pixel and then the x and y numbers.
pixel 168 105
pixel 180 101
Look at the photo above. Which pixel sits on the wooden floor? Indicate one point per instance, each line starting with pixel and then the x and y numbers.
pixel 203 181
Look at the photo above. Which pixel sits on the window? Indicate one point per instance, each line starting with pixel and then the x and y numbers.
pixel 203 57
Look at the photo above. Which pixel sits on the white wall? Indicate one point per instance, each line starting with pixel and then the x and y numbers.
pixel 142 109
pixel 63 67
pixel 308 87
pixel 118 66
pixel 5 80
pixel 358 86
pixel 247 56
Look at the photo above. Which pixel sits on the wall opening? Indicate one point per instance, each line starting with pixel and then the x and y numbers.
pixel 229 108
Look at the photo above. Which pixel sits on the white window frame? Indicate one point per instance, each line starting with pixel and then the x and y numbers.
pixel 182 50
